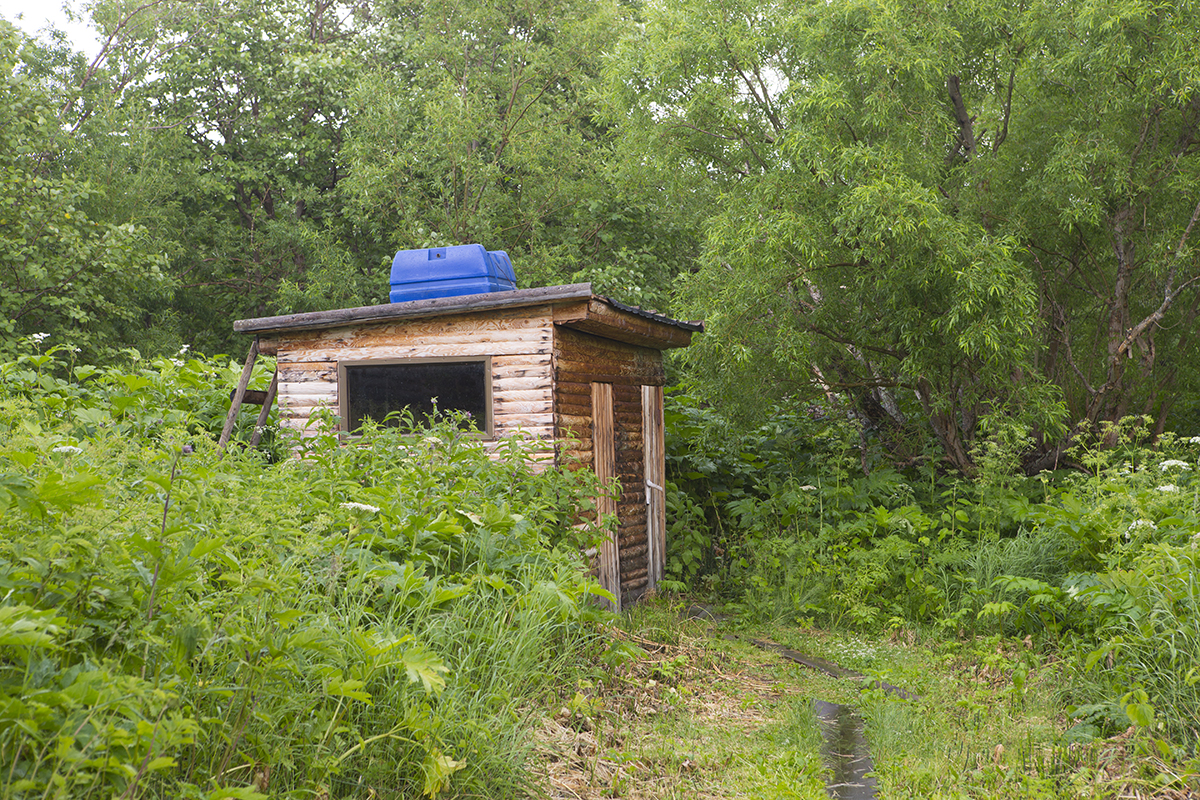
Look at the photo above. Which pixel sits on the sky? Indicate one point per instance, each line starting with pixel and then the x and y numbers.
pixel 39 13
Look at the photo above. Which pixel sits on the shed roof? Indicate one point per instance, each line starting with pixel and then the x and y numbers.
pixel 574 306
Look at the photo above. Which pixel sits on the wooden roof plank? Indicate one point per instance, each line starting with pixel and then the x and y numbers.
pixel 573 305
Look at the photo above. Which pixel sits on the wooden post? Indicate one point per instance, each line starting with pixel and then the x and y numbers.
pixel 266 410
pixel 655 473
pixel 239 394
pixel 604 461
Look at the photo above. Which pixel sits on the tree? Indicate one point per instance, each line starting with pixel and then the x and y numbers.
pixel 481 126
pixel 279 153
pixel 67 269
pixel 920 208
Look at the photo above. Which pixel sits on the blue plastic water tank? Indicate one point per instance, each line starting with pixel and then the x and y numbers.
pixel 449 272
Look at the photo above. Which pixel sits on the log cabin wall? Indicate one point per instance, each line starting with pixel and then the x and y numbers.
pixel 556 353
pixel 580 360
pixel 519 342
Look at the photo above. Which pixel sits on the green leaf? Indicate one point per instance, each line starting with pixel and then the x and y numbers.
pixel 353 689
pixel 424 665
pixel 437 768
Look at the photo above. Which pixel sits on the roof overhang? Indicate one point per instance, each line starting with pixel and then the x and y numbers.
pixel 574 307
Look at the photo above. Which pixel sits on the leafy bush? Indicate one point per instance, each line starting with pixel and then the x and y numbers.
pixel 349 620
pixel 1099 562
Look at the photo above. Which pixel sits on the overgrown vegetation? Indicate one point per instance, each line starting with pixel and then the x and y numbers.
pixel 368 620
pixel 1097 565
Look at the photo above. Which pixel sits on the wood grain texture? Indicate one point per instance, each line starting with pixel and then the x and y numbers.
pixel 553 371
pixel 605 320
pixel 419 350
pixel 654 472
pixel 605 466
pixel 420 309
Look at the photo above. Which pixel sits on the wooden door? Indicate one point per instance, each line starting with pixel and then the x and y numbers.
pixel 604 461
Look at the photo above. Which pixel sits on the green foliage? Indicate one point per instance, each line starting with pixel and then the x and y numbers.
pixel 1099 565
pixel 490 134
pixel 67 266
pixel 367 618
pixel 948 216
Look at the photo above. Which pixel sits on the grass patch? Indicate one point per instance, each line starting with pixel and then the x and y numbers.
pixel 685 712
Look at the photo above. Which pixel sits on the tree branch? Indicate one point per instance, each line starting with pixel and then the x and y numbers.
pixel 965 121
pixel 1169 294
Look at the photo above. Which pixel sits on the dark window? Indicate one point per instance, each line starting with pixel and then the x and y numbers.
pixel 374 389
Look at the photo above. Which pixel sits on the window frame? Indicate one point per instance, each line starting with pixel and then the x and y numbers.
pixel 486 428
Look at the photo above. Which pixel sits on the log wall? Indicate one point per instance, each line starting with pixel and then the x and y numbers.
pixel 518 340
pixel 581 359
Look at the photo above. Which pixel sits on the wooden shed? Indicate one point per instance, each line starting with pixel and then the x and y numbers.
pixel 580 373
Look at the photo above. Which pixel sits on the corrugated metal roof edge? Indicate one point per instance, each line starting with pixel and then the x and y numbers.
pixel 442 306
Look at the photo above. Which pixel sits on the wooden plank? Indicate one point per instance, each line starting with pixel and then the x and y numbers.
pixel 529 421
pixel 616 323
pixel 527 360
pixel 256 437
pixel 517 396
pixel 575 372
pixel 502 406
pixel 527 433
pixel 464 349
pixel 307 401
pixel 571 312
pixel 307 389
pixel 430 332
pixel 478 327
pixel 519 367
pixel 443 306
pixel 235 404
pixel 290 373
pixel 528 425
pixel 539 383
pixel 511 418
pixel 604 450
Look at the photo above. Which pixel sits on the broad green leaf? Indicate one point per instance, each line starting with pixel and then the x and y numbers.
pixel 424 665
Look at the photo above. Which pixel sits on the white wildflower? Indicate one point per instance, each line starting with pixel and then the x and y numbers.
pixel 38 338
pixel 1139 524
pixel 1174 463
pixel 808 487
pixel 1194 440
pixel 69 449
pixel 360 507
pixel 183 349
pixel 1168 488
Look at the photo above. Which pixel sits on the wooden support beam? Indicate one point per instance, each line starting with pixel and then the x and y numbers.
pixel 266 410
pixel 239 394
